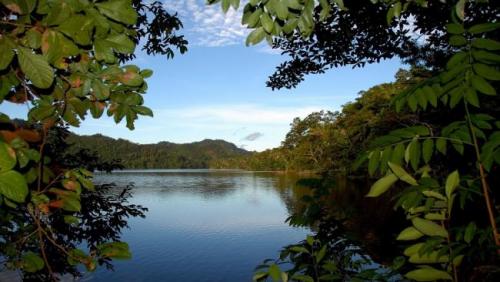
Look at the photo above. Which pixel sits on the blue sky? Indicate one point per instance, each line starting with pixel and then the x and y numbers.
pixel 217 89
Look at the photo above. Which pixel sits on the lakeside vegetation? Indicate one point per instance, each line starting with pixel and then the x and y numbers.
pixel 328 141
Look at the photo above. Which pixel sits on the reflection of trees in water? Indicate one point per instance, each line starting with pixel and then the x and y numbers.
pixel 103 215
pixel 291 192
pixel 206 184
pixel 339 203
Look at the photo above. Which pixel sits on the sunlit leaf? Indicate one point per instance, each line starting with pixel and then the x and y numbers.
pixel 409 233
pixel 428 274
pixel 452 182
pixel 429 228
pixel 13 186
pixel 382 185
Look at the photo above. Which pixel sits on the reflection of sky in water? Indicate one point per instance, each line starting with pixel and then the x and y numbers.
pixel 202 225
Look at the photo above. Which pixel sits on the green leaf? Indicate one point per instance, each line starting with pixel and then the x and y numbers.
pixel 76 256
pixel 267 22
pixel 373 162
pixel 235 4
pixel 33 38
pixel 385 158
pixel 131 78
pixel 382 185
pixel 115 250
pixel 71 203
pixel 482 85
pixel 41 112
pixel 454 28
pixel 398 154
pixel 428 274
pixel 121 43
pixel 470 231
pixel 299 249
pixel 413 249
pixel 430 95
pixel 253 18
pixel 427 150
pixel 275 272
pixel 433 257
pixel 259 275
pixel 36 68
pixel 402 174
pixel 56 46
pixel 441 145
pixel 301 277
pixel 487 72
pixel 290 26
pixel 281 10
pixel 481 28
pixel 409 233
pixel 457 40
pixel 104 51
pixel 7 157
pixel 434 194
pixel 460 9
pixel 32 262
pixel 471 97
pixel 456 59
pixel 435 216
pixel 421 98
pixel 13 186
pixel 321 254
pixel 452 182
pixel 72 220
pixel 225 5
pixel 6 47
pixel 429 228
pixel 487 44
pixel 256 36
pixel 79 28
pixel 145 111
pixel 485 56
pixel 119 10
pixel 414 153
pixel 145 73
pixel 100 90
pixel 412 103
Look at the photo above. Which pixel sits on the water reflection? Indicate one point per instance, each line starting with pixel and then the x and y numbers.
pixel 204 225
pixel 217 225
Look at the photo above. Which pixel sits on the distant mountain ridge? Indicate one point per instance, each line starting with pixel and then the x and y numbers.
pixel 160 155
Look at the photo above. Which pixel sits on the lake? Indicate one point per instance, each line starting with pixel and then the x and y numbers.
pixel 203 225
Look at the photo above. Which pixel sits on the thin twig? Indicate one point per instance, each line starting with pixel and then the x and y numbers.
pixel 484 183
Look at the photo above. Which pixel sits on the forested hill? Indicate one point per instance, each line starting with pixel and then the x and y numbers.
pixel 160 155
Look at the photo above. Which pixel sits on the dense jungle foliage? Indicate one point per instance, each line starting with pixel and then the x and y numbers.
pixel 160 155
pixel 329 141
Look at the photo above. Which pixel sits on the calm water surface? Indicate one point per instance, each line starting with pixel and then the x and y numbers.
pixel 203 225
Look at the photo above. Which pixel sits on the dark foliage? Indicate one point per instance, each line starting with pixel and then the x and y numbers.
pixel 157 28
pixel 103 216
pixel 360 35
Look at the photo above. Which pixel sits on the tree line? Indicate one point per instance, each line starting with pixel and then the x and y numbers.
pixel 332 141
pixel 162 155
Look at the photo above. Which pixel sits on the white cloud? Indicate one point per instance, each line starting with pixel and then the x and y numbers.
pixel 252 136
pixel 239 114
pixel 206 25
